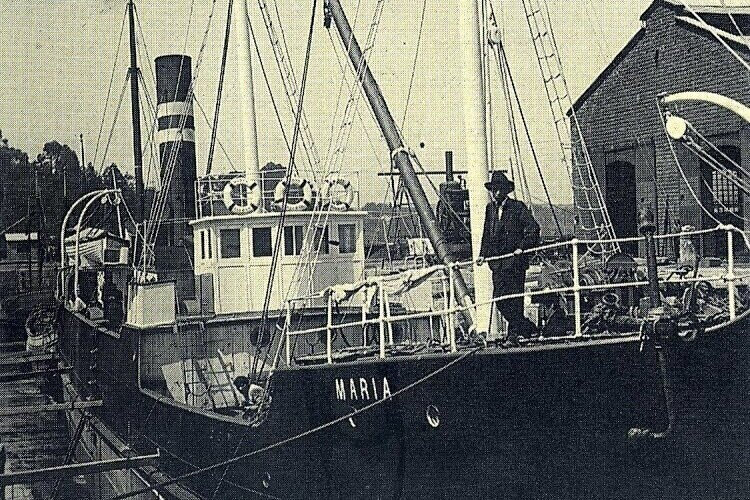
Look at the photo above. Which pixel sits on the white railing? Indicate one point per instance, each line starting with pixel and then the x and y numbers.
pixel 385 320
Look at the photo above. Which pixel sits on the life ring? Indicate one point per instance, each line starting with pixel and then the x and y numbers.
pixel 296 182
pixel 253 196
pixel 343 201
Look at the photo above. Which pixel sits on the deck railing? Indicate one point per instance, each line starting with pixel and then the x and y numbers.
pixel 364 291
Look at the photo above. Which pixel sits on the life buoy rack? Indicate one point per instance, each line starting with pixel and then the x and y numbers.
pixel 296 182
pixel 253 196
pixel 344 200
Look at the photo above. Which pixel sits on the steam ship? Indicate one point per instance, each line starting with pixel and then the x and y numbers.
pixel 272 365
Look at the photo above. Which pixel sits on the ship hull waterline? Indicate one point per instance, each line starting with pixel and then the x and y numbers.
pixel 550 421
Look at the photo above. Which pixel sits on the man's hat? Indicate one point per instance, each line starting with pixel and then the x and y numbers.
pixel 500 181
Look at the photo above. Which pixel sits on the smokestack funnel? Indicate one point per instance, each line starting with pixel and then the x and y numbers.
pixel 176 139
pixel 173 78
pixel 449 166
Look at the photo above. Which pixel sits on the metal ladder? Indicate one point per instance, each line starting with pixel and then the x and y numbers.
pixel 281 53
pixel 588 199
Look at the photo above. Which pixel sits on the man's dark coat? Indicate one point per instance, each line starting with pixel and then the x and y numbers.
pixel 516 229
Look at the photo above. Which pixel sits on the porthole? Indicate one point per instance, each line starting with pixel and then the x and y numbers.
pixel 433 416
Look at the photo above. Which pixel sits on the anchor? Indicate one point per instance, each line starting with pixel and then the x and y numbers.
pixel 659 328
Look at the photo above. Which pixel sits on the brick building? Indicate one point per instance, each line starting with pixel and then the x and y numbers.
pixel 621 125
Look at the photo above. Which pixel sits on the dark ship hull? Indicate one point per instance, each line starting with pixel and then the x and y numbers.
pixel 550 421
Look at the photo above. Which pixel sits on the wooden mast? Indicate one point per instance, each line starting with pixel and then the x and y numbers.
pixel 477 157
pixel 401 156
pixel 136 117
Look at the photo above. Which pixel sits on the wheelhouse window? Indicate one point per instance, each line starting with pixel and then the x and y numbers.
pixel 347 238
pixel 262 242
pixel 321 240
pixel 230 243
pixel 293 240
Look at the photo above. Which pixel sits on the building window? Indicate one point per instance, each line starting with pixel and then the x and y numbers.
pixel 722 192
pixel 209 245
pixel 203 245
pixel 293 240
pixel 230 243
pixel 347 238
pixel 262 242
pixel 321 240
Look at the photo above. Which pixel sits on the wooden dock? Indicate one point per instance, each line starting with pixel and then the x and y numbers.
pixel 32 439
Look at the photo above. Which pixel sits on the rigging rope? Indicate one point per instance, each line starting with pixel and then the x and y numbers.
pixel 280 230
pixel 268 86
pixel 527 131
pixel 414 65
pixel 109 88
pixel 343 78
pixel 218 141
pixel 222 71
pixel 157 208
pixel 303 434
pixel 286 71
pixel 290 170
pixel 716 34
pixel 114 121
pixel 574 150
pixel 682 172
pixel 734 23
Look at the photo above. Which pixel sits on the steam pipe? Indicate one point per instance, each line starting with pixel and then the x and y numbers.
pixel 449 166
pixel 399 153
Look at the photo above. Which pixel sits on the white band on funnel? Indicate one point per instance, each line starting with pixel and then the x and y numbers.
pixel 174 108
pixel 173 135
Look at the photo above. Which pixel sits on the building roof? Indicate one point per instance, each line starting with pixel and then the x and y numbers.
pixel 716 16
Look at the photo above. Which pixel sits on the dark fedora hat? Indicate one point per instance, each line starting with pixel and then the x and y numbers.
pixel 500 181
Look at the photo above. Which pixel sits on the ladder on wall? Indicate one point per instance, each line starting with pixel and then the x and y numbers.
pixel 594 222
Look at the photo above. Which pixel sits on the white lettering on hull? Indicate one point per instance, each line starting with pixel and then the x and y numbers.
pixel 360 389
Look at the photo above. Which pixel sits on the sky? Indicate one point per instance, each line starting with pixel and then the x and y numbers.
pixel 58 57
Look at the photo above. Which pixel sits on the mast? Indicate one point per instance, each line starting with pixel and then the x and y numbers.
pixel 247 94
pixel 136 116
pixel 399 153
pixel 477 157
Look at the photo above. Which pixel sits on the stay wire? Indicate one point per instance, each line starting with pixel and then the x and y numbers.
pixel 114 123
pixel 343 81
pixel 218 141
pixel 716 35
pixel 109 88
pixel 280 230
pixel 682 172
pixel 734 23
pixel 285 201
pixel 531 144
pixel 268 86
pixel 219 91
pixel 414 64
pixel 301 435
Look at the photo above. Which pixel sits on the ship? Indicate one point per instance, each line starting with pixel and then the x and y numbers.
pixel 274 367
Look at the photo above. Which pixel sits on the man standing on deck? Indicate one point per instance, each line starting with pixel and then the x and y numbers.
pixel 509 228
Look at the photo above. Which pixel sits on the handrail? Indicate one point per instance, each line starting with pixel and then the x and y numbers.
pixel 385 319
